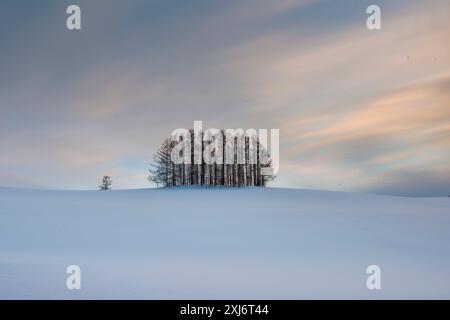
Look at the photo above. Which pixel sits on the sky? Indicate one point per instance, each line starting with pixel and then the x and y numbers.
pixel 358 110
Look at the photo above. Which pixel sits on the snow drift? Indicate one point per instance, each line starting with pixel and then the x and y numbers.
pixel 256 243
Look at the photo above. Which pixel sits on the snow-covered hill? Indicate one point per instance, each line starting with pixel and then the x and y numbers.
pixel 222 243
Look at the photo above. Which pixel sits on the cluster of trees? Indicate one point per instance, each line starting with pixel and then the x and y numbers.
pixel 243 166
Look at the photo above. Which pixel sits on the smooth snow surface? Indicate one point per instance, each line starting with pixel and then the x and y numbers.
pixel 194 243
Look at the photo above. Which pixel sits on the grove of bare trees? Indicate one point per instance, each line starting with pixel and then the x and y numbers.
pixel 234 173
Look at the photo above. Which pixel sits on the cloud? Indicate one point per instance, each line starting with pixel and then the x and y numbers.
pixel 418 110
pixel 406 131
pixel 287 71
pixel 352 105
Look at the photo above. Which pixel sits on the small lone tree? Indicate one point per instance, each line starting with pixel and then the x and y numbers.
pixel 106 183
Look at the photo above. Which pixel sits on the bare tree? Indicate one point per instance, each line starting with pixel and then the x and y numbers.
pixel 106 183
pixel 162 171
pixel 165 173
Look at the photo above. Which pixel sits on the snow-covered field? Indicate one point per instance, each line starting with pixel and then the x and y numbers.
pixel 222 244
